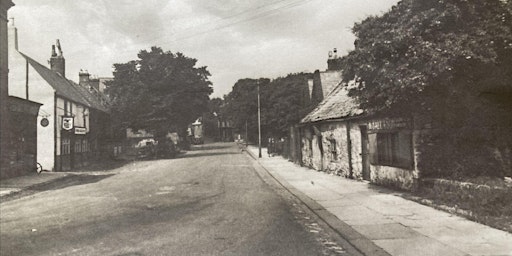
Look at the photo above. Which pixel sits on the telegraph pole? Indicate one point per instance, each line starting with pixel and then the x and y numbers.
pixel 259 121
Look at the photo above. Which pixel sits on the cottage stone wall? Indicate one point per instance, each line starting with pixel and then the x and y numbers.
pixel 393 176
pixel 357 159
pixel 340 164
pixel 307 154
pixel 316 161
pixel 335 132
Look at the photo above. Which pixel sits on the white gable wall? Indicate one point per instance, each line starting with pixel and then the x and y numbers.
pixel 38 91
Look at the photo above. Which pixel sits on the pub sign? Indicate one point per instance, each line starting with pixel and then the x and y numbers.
pixel 67 123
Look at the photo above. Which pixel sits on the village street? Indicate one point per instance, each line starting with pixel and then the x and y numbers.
pixel 209 201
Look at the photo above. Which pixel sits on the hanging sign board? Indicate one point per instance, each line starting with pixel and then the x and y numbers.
pixel 80 130
pixel 45 122
pixel 67 123
pixel 389 124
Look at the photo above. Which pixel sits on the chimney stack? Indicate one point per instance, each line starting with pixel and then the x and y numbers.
pixel 334 61
pixel 57 61
pixel 83 78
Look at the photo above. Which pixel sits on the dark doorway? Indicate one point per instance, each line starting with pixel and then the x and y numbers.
pixel 365 154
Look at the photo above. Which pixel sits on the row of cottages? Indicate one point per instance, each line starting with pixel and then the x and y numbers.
pixel 72 124
pixel 338 137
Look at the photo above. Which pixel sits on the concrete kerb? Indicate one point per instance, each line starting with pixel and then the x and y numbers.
pixel 356 239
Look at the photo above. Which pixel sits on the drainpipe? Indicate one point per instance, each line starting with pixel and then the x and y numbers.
pixel 349 150
pixel 26 79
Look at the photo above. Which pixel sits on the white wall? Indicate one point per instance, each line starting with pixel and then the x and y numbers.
pixel 40 91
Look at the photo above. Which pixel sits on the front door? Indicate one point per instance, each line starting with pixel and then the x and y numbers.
pixel 365 154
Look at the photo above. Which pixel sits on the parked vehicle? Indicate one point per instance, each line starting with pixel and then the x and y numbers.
pixel 146 149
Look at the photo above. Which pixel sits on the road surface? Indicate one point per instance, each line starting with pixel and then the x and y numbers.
pixel 209 201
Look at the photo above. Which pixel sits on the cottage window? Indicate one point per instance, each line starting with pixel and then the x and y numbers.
pixel 333 149
pixel 391 149
pixel 66 146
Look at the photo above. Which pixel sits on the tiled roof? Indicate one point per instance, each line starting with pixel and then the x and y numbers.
pixel 336 105
pixel 66 88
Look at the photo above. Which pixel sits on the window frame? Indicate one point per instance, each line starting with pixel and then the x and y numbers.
pixel 388 149
pixel 65 146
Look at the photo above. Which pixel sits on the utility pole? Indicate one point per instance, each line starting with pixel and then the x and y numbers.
pixel 246 138
pixel 259 121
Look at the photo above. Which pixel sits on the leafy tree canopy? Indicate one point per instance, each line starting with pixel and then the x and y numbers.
pixel 161 92
pixel 424 43
pixel 283 103
pixel 448 62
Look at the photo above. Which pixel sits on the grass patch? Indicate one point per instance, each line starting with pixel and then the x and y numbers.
pixel 484 200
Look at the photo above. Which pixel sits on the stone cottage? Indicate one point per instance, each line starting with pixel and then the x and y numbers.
pixel 338 137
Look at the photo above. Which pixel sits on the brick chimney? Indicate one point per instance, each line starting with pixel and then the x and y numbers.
pixel 57 61
pixel 334 61
pixel 83 78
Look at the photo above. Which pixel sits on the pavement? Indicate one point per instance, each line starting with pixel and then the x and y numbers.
pixel 378 221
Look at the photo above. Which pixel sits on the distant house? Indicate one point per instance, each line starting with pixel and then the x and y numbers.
pixel 73 120
pixel 337 137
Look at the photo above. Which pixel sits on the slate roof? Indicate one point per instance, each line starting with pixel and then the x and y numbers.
pixel 336 105
pixel 67 88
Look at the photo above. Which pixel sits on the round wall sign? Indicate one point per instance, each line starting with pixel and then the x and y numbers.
pixel 45 122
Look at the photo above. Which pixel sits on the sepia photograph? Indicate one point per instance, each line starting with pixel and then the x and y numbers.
pixel 269 127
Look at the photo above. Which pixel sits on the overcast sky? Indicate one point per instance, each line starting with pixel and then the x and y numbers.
pixel 234 38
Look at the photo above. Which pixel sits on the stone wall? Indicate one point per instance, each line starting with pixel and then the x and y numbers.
pixel 348 144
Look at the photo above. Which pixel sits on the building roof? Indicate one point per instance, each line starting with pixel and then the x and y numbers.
pixel 66 88
pixel 336 105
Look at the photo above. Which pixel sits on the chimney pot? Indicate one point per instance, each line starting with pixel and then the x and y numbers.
pixel 54 54
pixel 59 48
pixel 57 62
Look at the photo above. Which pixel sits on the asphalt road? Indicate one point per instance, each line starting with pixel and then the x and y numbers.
pixel 210 201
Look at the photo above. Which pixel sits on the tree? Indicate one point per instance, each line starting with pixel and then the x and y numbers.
pixel 159 92
pixel 283 103
pixel 286 103
pixel 211 118
pixel 241 105
pixel 448 61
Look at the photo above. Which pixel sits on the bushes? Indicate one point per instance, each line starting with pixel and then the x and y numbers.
pixel 458 154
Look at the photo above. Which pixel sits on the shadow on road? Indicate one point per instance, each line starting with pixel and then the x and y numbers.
pixel 60 183
pixel 70 180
